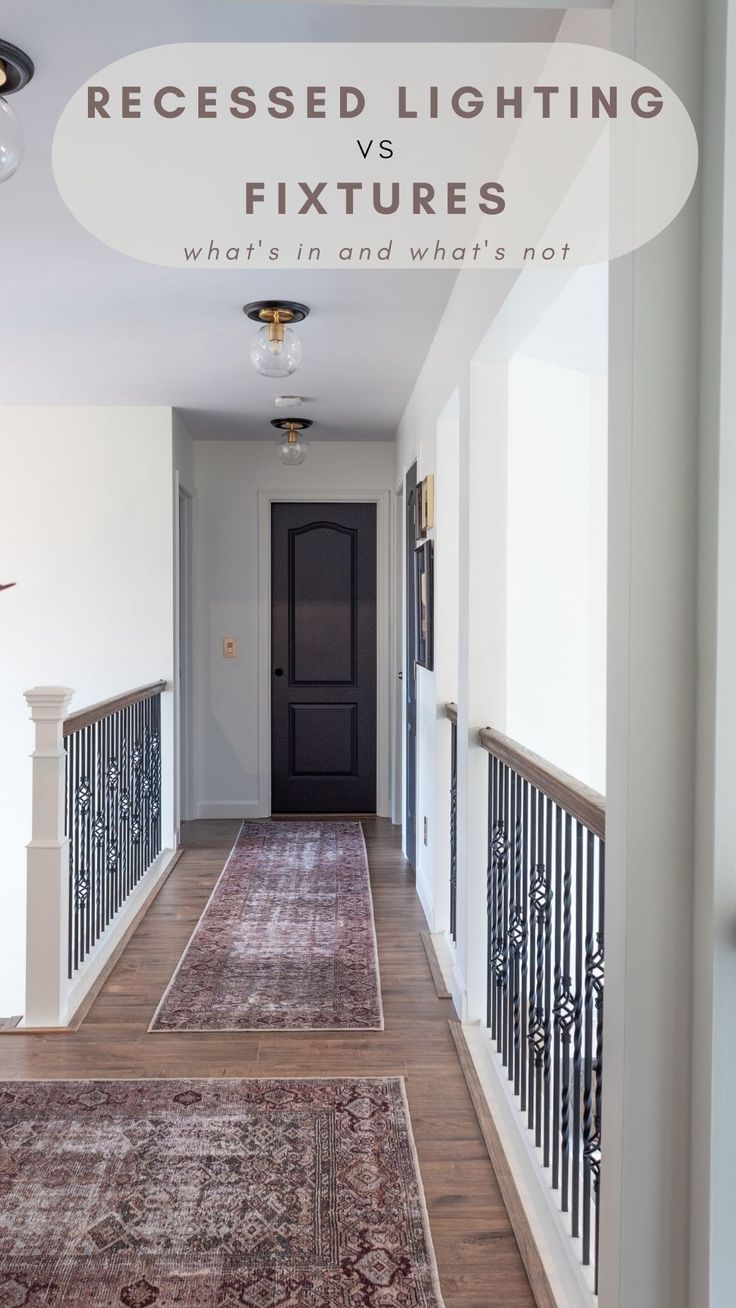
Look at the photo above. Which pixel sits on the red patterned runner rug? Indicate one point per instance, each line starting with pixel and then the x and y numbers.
pixel 287 940
pixel 211 1194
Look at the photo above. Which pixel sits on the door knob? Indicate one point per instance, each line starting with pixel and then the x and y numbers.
pixel 401 676
pixel 279 672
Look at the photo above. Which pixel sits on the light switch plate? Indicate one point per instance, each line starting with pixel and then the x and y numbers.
pixel 229 647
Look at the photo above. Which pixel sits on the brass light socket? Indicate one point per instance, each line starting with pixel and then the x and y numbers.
pixel 277 320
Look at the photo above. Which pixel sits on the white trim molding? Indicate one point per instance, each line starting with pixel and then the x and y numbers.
pixel 382 500
pixel 243 809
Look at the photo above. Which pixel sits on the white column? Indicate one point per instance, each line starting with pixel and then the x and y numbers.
pixel 47 894
pixel 482 657
pixel 653 465
pixel 713 1179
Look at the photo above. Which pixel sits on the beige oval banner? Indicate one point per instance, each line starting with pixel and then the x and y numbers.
pixel 367 155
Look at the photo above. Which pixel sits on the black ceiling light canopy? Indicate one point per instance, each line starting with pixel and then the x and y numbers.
pixel 17 68
pixel 16 71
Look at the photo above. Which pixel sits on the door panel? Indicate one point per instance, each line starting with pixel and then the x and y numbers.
pixel 323 637
pixel 410 676
pixel 322 601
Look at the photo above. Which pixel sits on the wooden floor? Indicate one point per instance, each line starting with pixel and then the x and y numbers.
pixel 478 1259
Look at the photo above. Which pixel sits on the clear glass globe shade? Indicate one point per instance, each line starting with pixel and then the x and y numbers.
pixel 294 453
pixel 11 141
pixel 276 358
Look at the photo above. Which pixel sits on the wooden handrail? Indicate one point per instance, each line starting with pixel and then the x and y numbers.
pixel 577 799
pixel 451 712
pixel 96 712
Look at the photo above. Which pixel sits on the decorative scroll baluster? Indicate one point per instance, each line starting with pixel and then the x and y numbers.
pixel 557 1031
pixel 453 832
pixel 577 1032
pixel 545 901
pixel 113 816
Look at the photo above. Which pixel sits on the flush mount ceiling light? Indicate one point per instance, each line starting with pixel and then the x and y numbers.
pixel 16 71
pixel 276 350
pixel 291 449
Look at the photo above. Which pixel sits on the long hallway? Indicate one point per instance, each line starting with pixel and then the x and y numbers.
pixel 478 1259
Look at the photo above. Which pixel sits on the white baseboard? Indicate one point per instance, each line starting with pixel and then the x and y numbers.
pixel 245 808
pixel 426 898
pixel 569 1280
pixel 445 954
pixel 459 990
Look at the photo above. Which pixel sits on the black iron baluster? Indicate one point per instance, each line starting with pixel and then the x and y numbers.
pixel 588 1044
pixel 503 934
pixel 531 1017
pixel 599 1050
pixel 517 929
pixel 101 754
pixel 88 743
pixel 508 1042
pixel 524 925
pixel 69 810
pixel 556 1044
pixel 143 807
pixel 548 980
pixel 576 1126
pixel 491 898
pixel 146 814
pixel 566 1012
pixel 453 830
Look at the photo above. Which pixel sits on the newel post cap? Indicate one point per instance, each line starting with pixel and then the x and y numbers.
pixel 49 702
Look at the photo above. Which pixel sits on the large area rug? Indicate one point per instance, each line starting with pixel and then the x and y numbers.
pixel 287 940
pixel 207 1194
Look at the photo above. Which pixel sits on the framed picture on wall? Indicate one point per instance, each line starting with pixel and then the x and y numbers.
pixel 425 506
pixel 419 511
pixel 424 598
pixel 427 515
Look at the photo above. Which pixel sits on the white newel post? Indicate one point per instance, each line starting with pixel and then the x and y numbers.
pixel 47 892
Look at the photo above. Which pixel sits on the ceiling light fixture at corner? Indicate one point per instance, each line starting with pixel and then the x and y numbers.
pixel 16 71
pixel 291 449
pixel 276 350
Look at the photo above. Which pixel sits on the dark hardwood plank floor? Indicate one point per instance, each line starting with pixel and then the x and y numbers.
pixel 479 1262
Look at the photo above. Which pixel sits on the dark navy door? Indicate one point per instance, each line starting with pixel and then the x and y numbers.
pixel 323 653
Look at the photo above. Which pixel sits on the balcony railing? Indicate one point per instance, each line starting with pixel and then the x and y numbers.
pixel 545 907
pixel 97 834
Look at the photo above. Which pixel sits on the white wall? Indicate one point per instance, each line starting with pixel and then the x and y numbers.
pixel 438 685
pixel 183 450
pixel 86 532
pixel 713 1182
pixel 556 564
pixel 229 476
